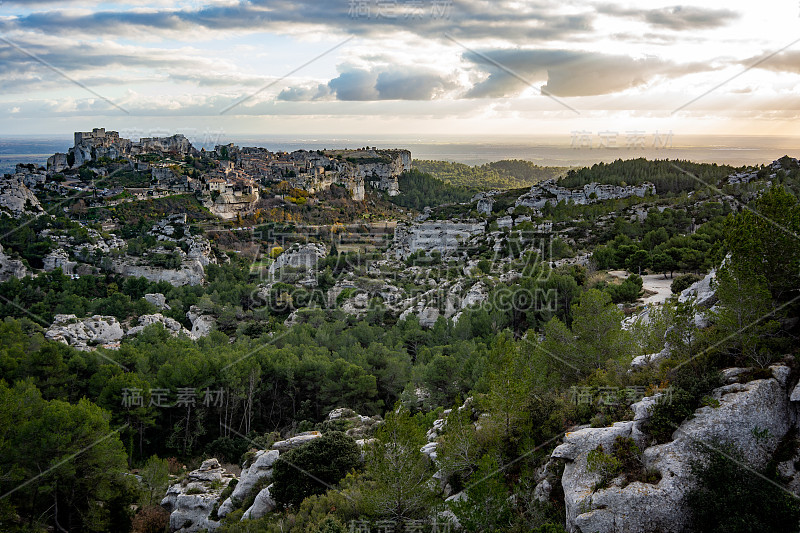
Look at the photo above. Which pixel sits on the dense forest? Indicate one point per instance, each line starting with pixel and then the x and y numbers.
pixel 420 189
pixel 506 174
pixel 669 177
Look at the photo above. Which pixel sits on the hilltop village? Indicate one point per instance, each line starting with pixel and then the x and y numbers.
pixel 229 179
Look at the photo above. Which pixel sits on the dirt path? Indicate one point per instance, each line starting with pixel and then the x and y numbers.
pixel 652 283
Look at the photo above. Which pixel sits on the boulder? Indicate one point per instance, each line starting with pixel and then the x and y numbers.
pixel 703 292
pixel 260 467
pixel 661 506
pixel 191 502
pixel 262 505
pixel 170 324
pixel 300 257
pixel 11 268
pixel 202 325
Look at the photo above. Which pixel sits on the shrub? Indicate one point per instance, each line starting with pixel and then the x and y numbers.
pixel 328 459
pixel 331 525
pixel 607 466
pixel 227 449
pixel 681 283
pixel 667 414
pixel 731 498
pixel 627 291
pixel 151 519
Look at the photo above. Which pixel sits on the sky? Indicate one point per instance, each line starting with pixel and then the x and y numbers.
pixel 567 69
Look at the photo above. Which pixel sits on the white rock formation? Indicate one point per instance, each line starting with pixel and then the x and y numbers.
pixel 11 268
pixel 191 502
pixel 442 236
pixel 262 505
pixel 549 192
pixel 305 256
pixel 296 441
pixel 85 333
pixel 59 258
pixel 170 324
pixel 260 467
pixel 158 300
pixel 760 405
pixel 703 292
pixel 202 325
pixel 16 199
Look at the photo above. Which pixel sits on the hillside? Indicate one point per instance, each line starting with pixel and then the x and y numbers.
pixel 507 174
pixel 497 362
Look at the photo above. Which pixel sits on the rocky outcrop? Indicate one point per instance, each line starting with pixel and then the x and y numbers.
pixel 202 325
pixel 158 300
pixel 353 424
pixel 703 292
pixel 174 144
pixel 59 258
pixel 299 256
pixel 173 234
pixel 231 203
pixel 11 268
pixel 191 502
pixel 87 333
pixel 753 417
pixel 442 236
pixel 549 192
pixel 260 467
pixel 190 273
pixel 170 324
pixel 16 200
pixel 379 168
pixel 262 505
pixel 296 441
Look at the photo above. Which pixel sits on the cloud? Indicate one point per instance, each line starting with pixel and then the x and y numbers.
pixel 474 19
pixel 304 94
pixel 376 83
pixel 567 72
pixel 678 18
pixel 788 61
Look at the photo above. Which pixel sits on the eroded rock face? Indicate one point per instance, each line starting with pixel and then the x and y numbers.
pixel 170 324
pixel 191 502
pixel 173 236
pixel 85 333
pixel 703 292
pixel 59 258
pixel 355 425
pixel 442 236
pixel 202 325
pixel 157 299
pixel 16 199
pixel 304 256
pixel 296 441
pixel 661 506
pixel 260 467
pixel 262 505
pixel 11 268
